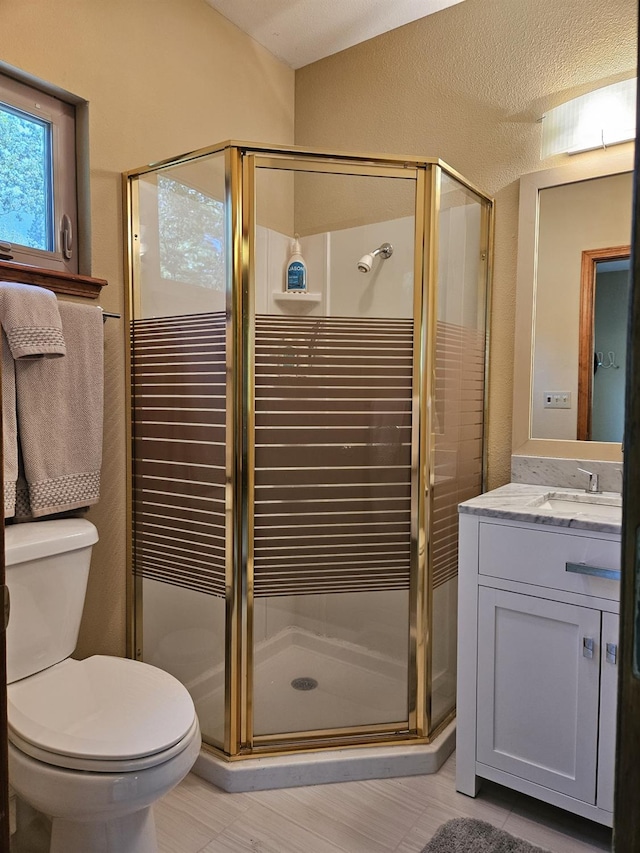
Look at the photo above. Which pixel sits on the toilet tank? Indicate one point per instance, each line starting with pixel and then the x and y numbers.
pixel 47 568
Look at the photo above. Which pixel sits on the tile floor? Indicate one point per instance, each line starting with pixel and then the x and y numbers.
pixel 378 816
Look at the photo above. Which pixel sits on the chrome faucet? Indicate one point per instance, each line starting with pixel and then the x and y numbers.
pixel 594 482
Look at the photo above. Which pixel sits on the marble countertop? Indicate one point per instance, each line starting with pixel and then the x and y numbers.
pixel 551 505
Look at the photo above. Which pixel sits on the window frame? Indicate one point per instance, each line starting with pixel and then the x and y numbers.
pixel 67 114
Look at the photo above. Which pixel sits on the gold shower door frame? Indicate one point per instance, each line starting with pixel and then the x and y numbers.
pixel 360 734
pixel 242 161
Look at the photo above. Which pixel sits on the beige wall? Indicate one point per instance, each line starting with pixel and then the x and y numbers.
pixel 167 76
pixel 469 84
pixel 162 77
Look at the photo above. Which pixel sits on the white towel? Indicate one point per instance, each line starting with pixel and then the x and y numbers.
pixel 60 411
pixel 31 320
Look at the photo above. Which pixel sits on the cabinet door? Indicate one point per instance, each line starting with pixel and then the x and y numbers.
pixel 538 690
pixel 608 704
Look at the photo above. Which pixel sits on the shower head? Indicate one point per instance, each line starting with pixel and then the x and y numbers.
pixel 366 261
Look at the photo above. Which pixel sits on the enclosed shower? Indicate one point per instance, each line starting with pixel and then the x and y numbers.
pixel 297 457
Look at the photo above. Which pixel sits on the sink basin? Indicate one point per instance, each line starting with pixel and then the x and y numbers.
pixel 581 507
pixel 606 506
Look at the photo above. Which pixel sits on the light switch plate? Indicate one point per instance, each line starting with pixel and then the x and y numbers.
pixel 557 399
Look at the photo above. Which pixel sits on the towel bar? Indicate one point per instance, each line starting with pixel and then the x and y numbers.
pixel 106 314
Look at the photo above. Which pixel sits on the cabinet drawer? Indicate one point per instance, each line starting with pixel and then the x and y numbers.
pixel 541 556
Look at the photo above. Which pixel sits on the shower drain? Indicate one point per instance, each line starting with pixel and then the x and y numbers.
pixel 304 683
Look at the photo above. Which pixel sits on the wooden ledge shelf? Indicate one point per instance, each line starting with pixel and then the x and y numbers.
pixel 60 282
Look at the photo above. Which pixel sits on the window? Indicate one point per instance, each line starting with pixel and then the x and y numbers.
pixel 38 185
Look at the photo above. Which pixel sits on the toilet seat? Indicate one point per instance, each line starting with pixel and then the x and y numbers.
pixel 103 714
pixel 93 765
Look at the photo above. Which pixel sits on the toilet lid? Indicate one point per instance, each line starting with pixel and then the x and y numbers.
pixel 101 708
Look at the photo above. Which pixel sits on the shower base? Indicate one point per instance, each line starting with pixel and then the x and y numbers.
pixel 323 767
pixel 300 676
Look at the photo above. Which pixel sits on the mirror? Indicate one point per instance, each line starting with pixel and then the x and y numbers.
pixel 574 232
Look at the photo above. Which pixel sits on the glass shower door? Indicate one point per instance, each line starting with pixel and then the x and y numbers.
pixel 332 549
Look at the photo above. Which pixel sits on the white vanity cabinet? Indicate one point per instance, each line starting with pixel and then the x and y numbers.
pixel 538 634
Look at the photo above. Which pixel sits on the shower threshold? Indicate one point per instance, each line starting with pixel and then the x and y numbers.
pixel 352 764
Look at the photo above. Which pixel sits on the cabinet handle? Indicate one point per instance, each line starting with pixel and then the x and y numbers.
pixel 593 571
pixel 588 647
pixel 611 653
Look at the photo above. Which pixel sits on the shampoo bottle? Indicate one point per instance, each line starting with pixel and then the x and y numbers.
pixel 296 275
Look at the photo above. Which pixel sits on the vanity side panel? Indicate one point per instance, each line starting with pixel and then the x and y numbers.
pixel 608 706
pixel 466 780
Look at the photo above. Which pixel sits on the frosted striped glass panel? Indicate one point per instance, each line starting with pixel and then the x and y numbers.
pixel 459 406
pixel 458 414
pixel 333 455
pixel 179 393
pixel 332 509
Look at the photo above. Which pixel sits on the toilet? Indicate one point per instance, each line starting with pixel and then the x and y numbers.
pixel 92 743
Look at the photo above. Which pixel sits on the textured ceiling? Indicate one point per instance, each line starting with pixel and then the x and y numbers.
pixel 302 31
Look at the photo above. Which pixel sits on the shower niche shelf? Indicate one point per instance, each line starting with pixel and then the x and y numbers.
pixel 304 296
pixel 297 303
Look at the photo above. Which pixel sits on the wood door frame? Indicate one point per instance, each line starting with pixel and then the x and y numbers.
pixel 590 258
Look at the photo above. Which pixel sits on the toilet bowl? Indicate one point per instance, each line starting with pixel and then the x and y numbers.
pixel 92 743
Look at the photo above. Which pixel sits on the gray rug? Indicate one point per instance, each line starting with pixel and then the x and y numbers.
pixel 467 835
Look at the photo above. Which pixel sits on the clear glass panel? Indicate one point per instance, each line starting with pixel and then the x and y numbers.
pixel 191 234
pixel 330 661
pixel 458 414
pixel 26 215
pixel 183 632
pixel 179 401
pixel 333 374
pixel 182 241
